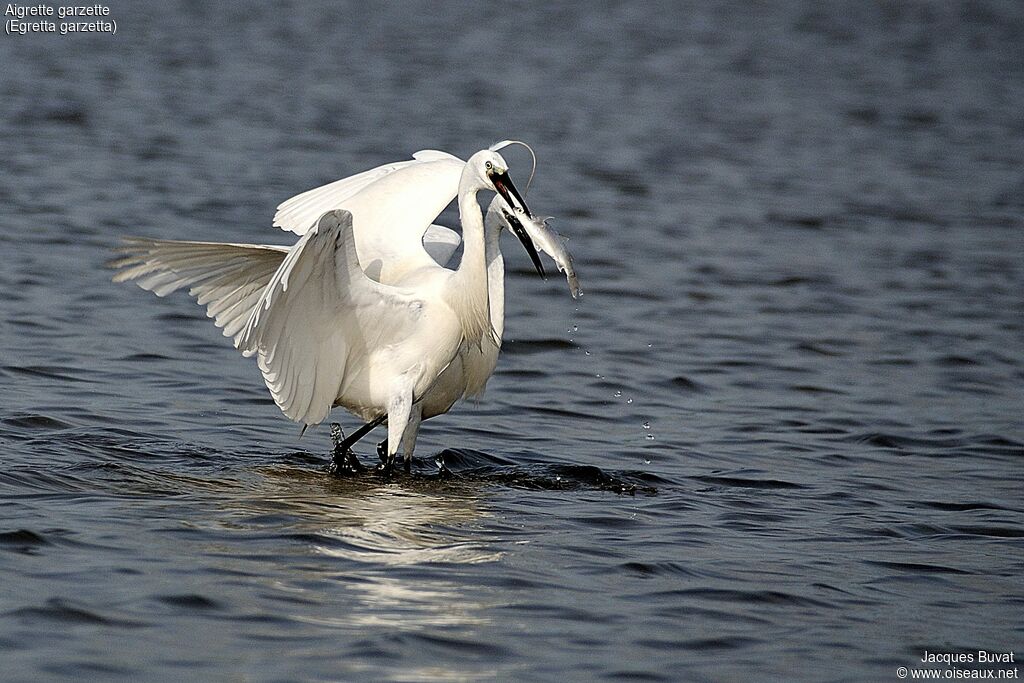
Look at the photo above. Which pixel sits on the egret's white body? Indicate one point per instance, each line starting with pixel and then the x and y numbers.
pixel 359 312
pixel 474 364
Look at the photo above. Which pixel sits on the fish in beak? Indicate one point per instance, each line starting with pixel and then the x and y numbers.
pixel 539 235
pixel 504 187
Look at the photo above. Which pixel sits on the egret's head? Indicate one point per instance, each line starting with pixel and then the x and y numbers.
pixel 493 172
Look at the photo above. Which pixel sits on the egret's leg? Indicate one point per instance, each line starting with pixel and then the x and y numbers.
pixel 363 431
pixel 399 407
pixel 382 450
pixel 343 460
pixel 409 437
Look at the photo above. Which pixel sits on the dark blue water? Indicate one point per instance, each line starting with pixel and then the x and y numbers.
pixel 780 438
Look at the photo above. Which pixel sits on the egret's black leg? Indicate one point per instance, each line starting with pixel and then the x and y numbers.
pixel 343 460
pixel 363 431
pixel 387 462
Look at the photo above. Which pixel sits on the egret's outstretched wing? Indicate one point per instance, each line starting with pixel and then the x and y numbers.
pixel 392 206
pixel 227 278
pixel 299 213
pixel 441 243
pixel 319 317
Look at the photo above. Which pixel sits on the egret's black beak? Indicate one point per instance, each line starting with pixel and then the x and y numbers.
pixel 503 184
pixel 520 232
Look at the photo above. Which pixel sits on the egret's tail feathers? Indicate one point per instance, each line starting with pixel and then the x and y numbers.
pixel 226 278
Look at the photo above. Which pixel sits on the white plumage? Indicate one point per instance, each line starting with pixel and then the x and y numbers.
pixel 360 312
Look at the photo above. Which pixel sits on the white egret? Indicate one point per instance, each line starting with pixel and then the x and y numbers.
pixel 386 253
pixel 358 313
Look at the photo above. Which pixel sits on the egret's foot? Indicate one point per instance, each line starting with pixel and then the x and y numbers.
pixel 343 461
pixel 387 466
pixel 351 465
pixel 346 467
pixel 442 470
pixel 408 465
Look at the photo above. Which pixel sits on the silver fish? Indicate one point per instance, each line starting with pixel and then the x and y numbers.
pixel 548 241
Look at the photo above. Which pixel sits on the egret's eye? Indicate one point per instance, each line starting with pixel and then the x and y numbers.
pixel 488 166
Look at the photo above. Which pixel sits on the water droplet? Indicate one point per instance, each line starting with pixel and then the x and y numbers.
pixel 599 376
pixel 650 437
pixel 587 352
pixel 647 461
pixel 575 328
pixel 629 400
pixel 650 345
pixel 647 425
pixel 618 394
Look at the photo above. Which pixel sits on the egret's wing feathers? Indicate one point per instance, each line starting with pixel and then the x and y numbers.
pixel 392 206
pixel 435 155
pixel 319 317
pixel 226 278
pixel 301 212
pixel 441 243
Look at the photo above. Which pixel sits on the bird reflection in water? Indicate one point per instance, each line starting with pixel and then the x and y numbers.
pixel 372 540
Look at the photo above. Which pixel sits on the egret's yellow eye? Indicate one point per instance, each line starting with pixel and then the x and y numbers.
pixel 488 166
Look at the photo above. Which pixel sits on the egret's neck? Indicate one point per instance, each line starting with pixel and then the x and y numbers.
pixel 468 292
pixel 495 277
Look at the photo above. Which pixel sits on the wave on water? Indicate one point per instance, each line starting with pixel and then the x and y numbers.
pixel 126 462
pixel 467 466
